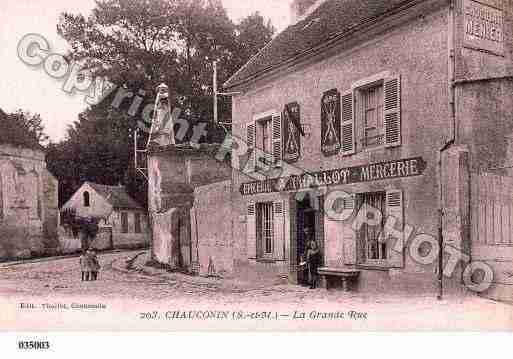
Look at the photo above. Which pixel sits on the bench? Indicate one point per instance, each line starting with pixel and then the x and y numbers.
pixel 346 276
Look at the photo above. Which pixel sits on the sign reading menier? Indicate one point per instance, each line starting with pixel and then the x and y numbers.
pixel 484 27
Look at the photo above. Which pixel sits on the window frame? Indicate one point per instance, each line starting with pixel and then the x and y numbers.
pixel 124 219
pixel 137 223
pixel 86 199
pixel 360 119
pixel 261 238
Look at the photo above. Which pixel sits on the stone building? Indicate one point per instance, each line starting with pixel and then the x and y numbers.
pixel 123 222
pixel 190 206
pixel 351 107
pixel 29 211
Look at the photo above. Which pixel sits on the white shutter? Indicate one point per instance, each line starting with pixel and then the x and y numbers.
pixel 348 124
pixel 251 245
pixel 395 208
pixel 250 141
pixel 392 111
pixel 279 230
pixel 277 139
pixel 349 235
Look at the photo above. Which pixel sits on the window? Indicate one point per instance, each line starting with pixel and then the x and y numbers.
pixel 373 248
pixel 87 199
pixel 124 222
pixel 265 229
pixel 370 116
pixel 264 140
pixel 137 218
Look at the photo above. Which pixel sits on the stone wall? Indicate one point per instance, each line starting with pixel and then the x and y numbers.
pixel 28 205
pixel 211 220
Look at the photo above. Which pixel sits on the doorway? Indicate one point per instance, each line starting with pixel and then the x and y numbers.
pixel 306 222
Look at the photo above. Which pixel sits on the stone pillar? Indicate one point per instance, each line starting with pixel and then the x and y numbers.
pixel 456 204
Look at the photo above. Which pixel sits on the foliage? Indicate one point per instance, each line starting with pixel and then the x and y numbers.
pixel 22 128
pixel 138 44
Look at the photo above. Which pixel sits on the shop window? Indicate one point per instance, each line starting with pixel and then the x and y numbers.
pixel 124 222
pixel 265 229
pixel 137 219
pixel 373 248
pixel 87 199
pixel 371 114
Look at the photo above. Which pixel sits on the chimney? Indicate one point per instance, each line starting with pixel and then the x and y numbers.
pixel 299 9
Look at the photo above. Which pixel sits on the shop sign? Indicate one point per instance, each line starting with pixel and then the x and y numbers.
pixel 292 132
pixel 483 26
pixel 410 167
pixel 330 123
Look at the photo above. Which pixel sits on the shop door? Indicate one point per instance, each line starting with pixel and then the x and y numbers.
pixel 306 215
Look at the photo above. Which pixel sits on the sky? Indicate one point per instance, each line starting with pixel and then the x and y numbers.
pixel 32 89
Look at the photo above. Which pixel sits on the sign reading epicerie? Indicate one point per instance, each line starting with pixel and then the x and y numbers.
pixel 410 167
pixel 484 27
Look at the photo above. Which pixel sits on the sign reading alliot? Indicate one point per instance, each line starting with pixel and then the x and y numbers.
pixel 410 167
pixel 484 27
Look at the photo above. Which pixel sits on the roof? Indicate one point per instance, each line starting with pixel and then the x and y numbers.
pixel 11 133
pixel 330 21
pixel 116 196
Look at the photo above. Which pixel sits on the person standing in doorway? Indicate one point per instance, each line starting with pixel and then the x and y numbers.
pixel 313 260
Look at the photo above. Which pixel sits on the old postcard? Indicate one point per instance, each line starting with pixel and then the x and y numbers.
pixel 291 165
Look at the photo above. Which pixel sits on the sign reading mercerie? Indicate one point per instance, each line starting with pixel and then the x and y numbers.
pixel 410 167
pixel 484 27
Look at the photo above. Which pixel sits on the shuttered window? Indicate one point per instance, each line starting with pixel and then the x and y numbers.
pixel 392 112
pixel 371 116
pixel 266 230
pixel 277 150
pixel 348 124
pixel 250 141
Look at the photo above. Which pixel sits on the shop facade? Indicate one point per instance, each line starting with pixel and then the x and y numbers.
pixel 353 107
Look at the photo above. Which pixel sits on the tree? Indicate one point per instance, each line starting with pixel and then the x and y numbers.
pixel 22 128
pixel 253 33
pixel 138 44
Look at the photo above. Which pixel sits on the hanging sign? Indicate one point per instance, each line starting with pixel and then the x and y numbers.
pixel 330 123
pixel 292 132
pixel 410 167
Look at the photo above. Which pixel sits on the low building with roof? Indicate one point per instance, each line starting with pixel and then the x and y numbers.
pixel 123 222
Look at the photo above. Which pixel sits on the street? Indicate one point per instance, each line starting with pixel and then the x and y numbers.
pixel 36 295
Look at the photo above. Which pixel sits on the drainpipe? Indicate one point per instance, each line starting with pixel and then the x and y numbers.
pixel 449 143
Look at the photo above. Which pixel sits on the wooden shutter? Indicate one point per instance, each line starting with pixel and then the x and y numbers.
pixel 349 235
pixel 279 230
pixel 251 245
pixel 250 141
pixel 277 139
pixel 348 124
pixel 395 208
pixel 392 111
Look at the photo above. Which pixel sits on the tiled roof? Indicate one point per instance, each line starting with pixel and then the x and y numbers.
pixel 331 20
pixel 116 196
